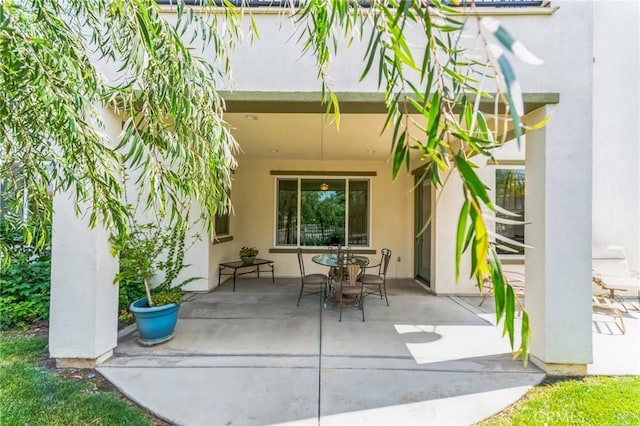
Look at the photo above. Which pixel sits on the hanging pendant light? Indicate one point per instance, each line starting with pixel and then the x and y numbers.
pixel 324 186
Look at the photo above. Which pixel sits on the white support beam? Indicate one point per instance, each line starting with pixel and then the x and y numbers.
pixel 558 194
pixel 83 324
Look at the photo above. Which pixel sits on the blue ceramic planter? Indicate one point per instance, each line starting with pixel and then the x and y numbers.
pixel 156 324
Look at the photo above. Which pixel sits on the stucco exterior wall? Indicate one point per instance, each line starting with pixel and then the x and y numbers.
pixel 616 109
pixel 273 62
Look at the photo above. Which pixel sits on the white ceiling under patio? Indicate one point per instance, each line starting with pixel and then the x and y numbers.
pixel 310 136
pixel 292 126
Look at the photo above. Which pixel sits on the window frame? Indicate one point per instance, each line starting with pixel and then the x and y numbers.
pixel 329 176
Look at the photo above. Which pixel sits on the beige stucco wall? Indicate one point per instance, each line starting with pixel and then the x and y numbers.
pixel 392 214
pixel 253 222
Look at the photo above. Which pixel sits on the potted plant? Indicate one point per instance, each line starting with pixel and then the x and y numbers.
pixel 141 258
pixel 248 255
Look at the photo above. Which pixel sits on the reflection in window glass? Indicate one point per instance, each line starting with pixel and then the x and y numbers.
pixel 287 228
pixel 358 213
pixel 510 196
pixel 222 224
pixel 323 212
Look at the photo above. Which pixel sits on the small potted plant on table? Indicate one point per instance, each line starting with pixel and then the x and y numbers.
pixel 248 255
pixel 140 260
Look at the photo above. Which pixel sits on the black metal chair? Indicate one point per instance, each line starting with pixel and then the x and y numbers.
pixel 349 291
pixel 334 272
pixel 312 283
pixel 377 284
pixel 343 255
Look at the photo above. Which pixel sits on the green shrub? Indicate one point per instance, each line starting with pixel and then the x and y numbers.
pixel 129 292
pixel 141 259
pixel 24 283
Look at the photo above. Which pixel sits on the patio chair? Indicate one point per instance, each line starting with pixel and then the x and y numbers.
pixel 377 284
pixel 513 278
pixel 350 292
pixel 343 255
pixel 333 248
pixel 611 273
pixel 603 305
pixel 312 283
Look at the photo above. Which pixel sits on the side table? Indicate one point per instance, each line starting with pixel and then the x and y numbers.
pixel 234 266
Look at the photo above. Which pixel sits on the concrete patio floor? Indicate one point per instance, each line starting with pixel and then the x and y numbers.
pixel 252 358
pixel 614 353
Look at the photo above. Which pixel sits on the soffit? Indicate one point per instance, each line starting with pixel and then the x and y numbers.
pixel 293 126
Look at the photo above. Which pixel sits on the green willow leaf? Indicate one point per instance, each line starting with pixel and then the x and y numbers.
pixel 498 283
pixel 477 189
pixel 400 153
pixel 370 54
pixel 418 106
pixel 471 232
pixel 510 308
pixel 524 345
pixel 480 245
pixel 434 114
pixel 461 229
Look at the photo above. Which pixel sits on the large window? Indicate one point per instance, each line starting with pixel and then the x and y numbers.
pixel 510 196
pixel 319 212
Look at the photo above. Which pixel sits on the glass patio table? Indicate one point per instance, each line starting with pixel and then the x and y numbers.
pixel 331 260
pixel 336 273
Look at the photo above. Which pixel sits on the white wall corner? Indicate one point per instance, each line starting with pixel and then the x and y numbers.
pixel 83 320
pixel 558 194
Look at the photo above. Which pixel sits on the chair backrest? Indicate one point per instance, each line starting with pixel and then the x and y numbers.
pixel 344 255
pixel 301 261
pixel 610 261
pixel 334 248
pixel 384 262
pixel 353 270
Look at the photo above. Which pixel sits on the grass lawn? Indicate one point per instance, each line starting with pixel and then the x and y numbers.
pixel 594 400
pixel 33 395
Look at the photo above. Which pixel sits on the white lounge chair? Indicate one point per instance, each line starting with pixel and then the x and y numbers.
pixel 603 305
pixel 611 273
